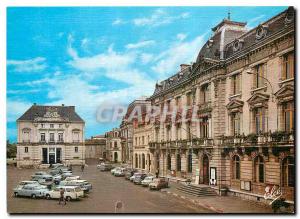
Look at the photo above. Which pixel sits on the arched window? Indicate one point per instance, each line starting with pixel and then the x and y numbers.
pixel 288 172
pixel 178 162
pixel 190 162
pixel 259 169
pixel 143 161
pixel 236 167
pixel 169 162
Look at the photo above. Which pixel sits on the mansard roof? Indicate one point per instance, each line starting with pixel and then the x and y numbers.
pixel 266 30
pixel 236 40
pixel 51 113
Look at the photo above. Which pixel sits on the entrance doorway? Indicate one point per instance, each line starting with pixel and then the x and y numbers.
pixel 116 157
pixel 205 170
pixel 51 158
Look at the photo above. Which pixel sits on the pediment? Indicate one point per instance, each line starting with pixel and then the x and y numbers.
pixel 258 98
pixel 235 104
pixel 285 91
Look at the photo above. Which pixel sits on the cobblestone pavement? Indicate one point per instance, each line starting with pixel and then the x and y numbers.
pixel 107 190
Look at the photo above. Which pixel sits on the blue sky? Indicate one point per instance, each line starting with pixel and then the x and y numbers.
pixel 88 56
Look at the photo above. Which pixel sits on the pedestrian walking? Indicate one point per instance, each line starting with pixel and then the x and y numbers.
pixel 156 173
pixel 62 198
pixel 82 168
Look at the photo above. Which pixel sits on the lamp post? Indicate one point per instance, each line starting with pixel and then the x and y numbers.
pixel 255 73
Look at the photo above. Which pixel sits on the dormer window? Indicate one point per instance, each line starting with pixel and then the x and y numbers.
pixel 237 45
pixel 261 32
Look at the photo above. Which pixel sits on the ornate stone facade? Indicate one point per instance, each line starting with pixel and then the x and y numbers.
pixel 50 134
pixel 241 89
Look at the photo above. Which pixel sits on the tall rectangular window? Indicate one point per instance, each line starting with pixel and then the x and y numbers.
pixel 259 75
pixel 236 84
pixel 157 134
pixel 60 137
pixel 288 116
pixel 205 93
pixel 43 138
pixel 188 99
pixel 178 103
pixel 178 131
pixel 204 124
pixel 51 137
pixel 26 149
pixel 76 149
pixel 288 66
pixel 235 123
pixel 51 126
pixel 260 120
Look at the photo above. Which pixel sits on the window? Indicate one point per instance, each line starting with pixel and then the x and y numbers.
pixel 260 120
pixel 51 126
pixel 26 149
pixel 136 142
pixel 178 103
pixel 157 134
pixel 190 162
pixel 178 162
pixel 43 138
pixel 259 75
pixel 236 84
pixel 42 125
pixel 76 149
pixel 178 131
pixel 75 136
pixel 236 167
pixel 188 130
pixel 168 134
pixel 288 172
pixel 259 170
pixel 60 137
pixel 169 162
pixel 288 66
pixel 288 116
pixel 205 93
pixel 26 136
pixel 51 137
pixel 188 99
pixel 143 140
pixel 235 123
pixel 60 126
pixel 204 127
pixel 169 105
pixel 115 144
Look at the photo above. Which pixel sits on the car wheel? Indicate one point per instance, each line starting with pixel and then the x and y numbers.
pixel 33 196
pixel 68 198
pixel 48 196
pixel 16 194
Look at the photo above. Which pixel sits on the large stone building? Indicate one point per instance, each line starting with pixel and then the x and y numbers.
pixel 50 134
pixel 238 132
pixel 113 146
pixel 95 147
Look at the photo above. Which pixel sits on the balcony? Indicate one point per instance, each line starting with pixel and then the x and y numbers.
pixel 278 137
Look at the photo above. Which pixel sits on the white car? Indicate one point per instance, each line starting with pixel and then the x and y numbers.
pixel 133 176
pixel 31 190
pixel 71 193
pixel 114 170
pixel 83 184
pixel 147 180
pixel 72 178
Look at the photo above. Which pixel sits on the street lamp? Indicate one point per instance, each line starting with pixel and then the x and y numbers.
pixel 255 73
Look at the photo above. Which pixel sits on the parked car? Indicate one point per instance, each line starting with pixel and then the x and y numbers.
pixel 139 178
pixel 57 178
pixel 38 175
pixel 105 167
pixel 83 184
pixel 71 193
pixel 129 173
pixel 120 172
pixel 46 181
pixel 133 176
pixel 147 180
pixel 28 182
pixel 114 170
pixel 31 190
pixel 66 174
pixel 159 183
pixel 72 178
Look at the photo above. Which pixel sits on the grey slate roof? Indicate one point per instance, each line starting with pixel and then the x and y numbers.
pixel 66 113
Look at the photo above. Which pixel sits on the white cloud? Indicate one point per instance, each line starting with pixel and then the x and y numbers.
pixel 181 36
pixel 35 82
pixel 140 44
pixel 118 21
pixel 15 109
pixel 158 17
pixel 178 53
pixel 146 58
pixel 29 65
pixel 252 21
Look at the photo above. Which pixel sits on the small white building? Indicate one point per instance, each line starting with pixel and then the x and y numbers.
pixel 50 134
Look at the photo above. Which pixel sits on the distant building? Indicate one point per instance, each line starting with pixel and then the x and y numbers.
pixel 113 146
pixel 50 134
pixel 95 147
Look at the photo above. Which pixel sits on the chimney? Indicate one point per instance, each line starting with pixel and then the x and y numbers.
pixel 34 104
pixel 63 105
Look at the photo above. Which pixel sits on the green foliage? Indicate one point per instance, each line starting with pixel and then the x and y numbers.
pixel 11 150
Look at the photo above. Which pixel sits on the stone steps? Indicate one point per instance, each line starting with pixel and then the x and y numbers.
pixel 198 191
